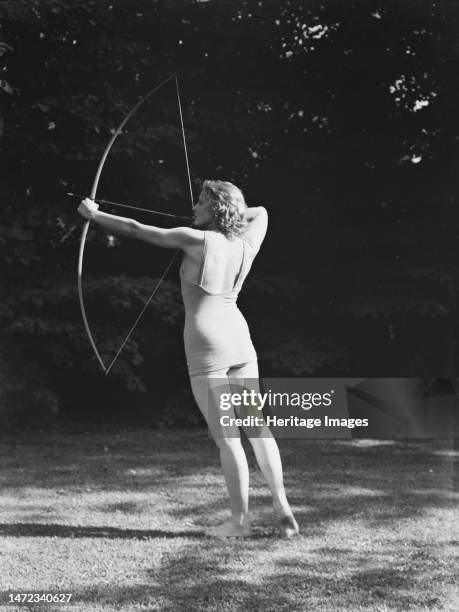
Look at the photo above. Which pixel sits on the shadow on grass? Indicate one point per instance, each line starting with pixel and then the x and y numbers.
pixel 218 593
pixel 19 530
pixel 327 480
pixel 207 577
pixel 198 578
pixel 55 530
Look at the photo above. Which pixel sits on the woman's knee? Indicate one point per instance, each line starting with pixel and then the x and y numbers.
pixel 228 444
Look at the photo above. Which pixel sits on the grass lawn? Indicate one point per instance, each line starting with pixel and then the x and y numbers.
pixel 117 519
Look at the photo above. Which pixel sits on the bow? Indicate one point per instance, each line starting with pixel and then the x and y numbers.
pixel 84 233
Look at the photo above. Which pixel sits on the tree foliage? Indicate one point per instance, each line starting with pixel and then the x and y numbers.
pixel 339 117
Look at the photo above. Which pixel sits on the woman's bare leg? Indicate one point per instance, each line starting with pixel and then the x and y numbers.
pixel 206 390
pixel 265 448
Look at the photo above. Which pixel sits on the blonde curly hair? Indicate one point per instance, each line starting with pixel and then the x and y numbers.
pixel 228 205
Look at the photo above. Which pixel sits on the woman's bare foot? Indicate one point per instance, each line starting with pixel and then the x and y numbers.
pixel 230 530
pixel 288 526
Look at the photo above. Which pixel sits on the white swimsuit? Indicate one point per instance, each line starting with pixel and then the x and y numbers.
pixel 216 334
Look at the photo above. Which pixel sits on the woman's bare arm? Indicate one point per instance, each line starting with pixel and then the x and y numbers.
pixel 175 238
pixel 257 225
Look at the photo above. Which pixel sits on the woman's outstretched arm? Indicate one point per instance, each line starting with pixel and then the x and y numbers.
pixel 175 238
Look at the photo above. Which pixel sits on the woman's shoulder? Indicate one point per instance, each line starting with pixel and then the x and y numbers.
pixel 218 238
pixel 224 247
pixel 226 244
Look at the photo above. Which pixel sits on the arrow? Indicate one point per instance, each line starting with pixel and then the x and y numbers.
pixel 155 212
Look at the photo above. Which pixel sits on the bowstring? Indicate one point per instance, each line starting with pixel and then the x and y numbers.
pixel 147 303
pixel 184 139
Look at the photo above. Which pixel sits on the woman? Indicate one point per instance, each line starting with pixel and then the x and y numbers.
pixel 217 255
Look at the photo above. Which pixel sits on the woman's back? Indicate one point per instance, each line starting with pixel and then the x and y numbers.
pixel 221 272
pixel 216 334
